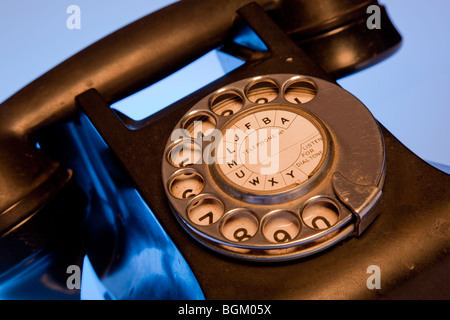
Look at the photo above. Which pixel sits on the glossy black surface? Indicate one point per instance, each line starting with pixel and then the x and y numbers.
pixel 409 240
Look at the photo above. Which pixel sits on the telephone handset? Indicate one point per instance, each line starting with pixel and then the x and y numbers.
pixel 272 162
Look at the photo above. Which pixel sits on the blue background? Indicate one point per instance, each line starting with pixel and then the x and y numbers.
pixel 409 93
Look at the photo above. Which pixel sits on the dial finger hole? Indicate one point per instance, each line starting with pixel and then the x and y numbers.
pixel 239 226
pixel 227 103
pixel 184 153
pixel 300 91
pixel 186 184
pixel 281 227
pixel 199 125
pixel 320 214
pixel 205 211
pixel 262 92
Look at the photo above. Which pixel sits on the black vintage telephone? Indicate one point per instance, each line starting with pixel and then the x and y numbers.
pixel 306 193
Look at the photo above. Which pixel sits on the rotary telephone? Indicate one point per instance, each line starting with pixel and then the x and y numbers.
pixel 272 182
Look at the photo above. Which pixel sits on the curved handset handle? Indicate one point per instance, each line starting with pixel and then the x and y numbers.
pixel 118 65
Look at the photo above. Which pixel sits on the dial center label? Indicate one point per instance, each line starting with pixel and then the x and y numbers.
pixel 270 150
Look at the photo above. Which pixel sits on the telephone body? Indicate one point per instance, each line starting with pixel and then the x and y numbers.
pixel 307 193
